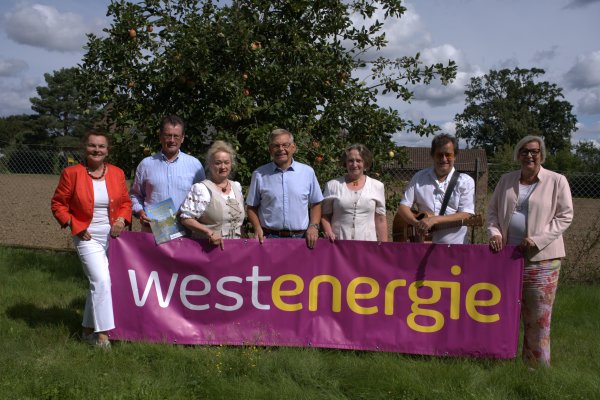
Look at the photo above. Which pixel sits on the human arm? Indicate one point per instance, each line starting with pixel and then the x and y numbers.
pixel 254 220
pixel 545 230
pixel 123 215
pixel 326 226
pixel 327 211
pixel 213 237
pixel 381 227
pixel 137 195
pixel 312 232
pixel 61 199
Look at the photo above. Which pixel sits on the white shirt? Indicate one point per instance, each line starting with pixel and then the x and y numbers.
pixel 353 212
pixel 427 192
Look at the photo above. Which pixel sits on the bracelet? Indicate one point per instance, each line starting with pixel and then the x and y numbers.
pixel 121 220
pixel 316 226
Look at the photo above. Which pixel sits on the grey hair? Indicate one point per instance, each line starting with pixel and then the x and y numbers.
pixel 527 139
pixel 279 132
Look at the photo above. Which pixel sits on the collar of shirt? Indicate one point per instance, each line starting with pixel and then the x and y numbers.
pixel 276 168
pixel 164 157
pixel 435 178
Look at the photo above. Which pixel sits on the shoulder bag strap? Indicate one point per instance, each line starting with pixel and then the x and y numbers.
pixel 449 191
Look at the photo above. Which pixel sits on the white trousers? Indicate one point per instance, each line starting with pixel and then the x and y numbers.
pixel 98 312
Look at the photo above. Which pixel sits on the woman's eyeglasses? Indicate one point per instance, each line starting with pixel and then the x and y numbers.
pixel 526 152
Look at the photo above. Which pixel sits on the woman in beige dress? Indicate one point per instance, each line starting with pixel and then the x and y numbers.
pixel 214 208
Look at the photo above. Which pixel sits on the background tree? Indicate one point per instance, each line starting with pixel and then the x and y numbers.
pixel 58 105
pixel 236 71
pixel 503 106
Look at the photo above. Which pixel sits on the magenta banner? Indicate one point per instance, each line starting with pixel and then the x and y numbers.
pixel 457 300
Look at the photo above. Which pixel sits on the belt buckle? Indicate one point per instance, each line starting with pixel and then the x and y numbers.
pixel 285 233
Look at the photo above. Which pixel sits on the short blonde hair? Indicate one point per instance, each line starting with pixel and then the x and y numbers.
pixel 220 146
pixel 527 139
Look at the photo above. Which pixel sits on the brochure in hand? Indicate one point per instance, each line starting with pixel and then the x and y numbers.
pixel 164 222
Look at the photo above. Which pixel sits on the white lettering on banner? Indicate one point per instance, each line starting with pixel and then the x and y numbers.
pixel 255 278
pixel 239 300
pixel 163 302
pixel 184 293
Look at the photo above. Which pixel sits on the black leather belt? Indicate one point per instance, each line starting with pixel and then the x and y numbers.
pixel 283 233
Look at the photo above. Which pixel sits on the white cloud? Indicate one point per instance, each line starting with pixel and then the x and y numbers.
pixel 45 27
pixel 589 103
pixel 588 133
pixel 12 67
pixel 15 94
pixel 586 71
pixel 436 94
pixel 405 35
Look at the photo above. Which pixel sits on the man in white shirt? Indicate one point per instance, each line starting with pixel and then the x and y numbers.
pixel 426 192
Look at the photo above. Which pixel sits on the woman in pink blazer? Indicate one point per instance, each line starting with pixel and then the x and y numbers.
pixel 531 208
pixel 93 201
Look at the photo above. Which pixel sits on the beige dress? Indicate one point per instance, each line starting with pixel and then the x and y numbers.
pixel 223 213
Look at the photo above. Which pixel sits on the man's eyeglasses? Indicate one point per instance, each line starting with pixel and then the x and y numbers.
pixel 276 146
pixel 440 156
pixel 172 137
pixel 526 152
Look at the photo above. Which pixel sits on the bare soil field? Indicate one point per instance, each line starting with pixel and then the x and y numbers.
pixel 27 221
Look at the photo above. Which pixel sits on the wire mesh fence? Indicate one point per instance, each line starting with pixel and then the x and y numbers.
pixel 28 177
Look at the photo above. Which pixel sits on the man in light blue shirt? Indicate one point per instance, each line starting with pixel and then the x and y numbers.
pixel 281 194
pixel 167 174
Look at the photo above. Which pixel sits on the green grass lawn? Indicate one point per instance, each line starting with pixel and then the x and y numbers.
pixel 41 304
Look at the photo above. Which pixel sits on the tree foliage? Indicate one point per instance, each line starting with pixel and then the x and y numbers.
pixel 504 106
pixel 236 71
pixel 58 104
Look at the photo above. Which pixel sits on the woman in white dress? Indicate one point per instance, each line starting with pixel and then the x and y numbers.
pixel 214 208
pixel 354 205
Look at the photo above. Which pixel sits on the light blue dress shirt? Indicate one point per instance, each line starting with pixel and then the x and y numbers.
pixel 282 197
pixel 157 179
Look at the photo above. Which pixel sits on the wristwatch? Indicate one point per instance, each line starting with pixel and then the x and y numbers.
pixel 315 225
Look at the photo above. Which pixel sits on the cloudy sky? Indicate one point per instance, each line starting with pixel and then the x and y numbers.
pixel 560 36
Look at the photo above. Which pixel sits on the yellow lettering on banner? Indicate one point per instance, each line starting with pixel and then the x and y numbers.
pixel 389 294
pixel 352 296
pixel 313 291
pixel 277 293
pixel 471 304
pixel 438 317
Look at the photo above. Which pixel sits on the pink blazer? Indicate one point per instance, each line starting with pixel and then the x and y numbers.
pixel 550 212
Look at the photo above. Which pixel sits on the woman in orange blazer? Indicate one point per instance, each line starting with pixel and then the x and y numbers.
pixel 531 208
pixel 92 199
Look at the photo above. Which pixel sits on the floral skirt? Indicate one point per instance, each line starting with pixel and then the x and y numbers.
pixel 539 289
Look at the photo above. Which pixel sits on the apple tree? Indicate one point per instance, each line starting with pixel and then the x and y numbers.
pixel 236 70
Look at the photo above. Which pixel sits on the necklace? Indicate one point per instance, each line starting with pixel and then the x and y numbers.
pixel 524 194
pixel 97 177
pixel 224 189
pixel 354 182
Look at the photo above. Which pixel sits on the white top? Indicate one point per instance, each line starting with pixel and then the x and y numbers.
pixel 198 199
pixel 427 193
pixel 353 212
pixel 517 228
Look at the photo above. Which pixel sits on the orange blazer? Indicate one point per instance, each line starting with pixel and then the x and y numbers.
pixel 74 197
